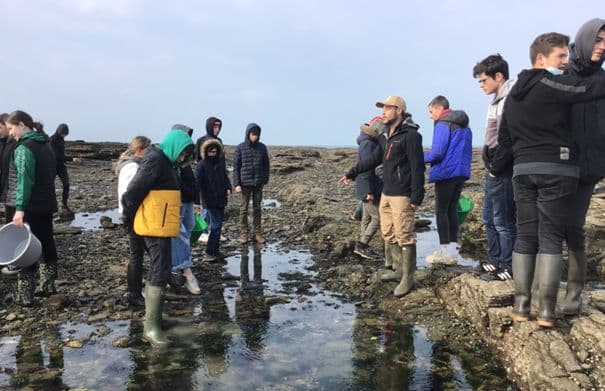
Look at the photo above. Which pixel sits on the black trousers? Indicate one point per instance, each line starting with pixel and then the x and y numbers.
pixel 574 229
pixel 160 265
pixel 62 173
pixel 543 206
pixel 447 194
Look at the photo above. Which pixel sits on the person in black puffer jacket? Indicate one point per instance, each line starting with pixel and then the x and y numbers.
pixel 588 128
pixel 214 189
pixel 250 175
pixel 213 128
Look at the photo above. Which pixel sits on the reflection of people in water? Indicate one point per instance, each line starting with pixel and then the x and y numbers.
pixel 31 368
pixel 383 354
pixel 251 311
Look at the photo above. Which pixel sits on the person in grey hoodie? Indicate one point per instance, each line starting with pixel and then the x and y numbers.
pixel 587 54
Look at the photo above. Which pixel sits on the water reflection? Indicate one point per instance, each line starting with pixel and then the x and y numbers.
pixel 251 310
pixel 236 335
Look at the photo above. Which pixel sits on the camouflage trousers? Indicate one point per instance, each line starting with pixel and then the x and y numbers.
pixel 26 283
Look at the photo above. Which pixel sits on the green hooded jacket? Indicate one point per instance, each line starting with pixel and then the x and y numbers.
pixel 174 144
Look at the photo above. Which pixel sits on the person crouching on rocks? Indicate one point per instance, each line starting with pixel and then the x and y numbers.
pixel 403 174
pixel 368 188
pixel 152 206
pixel 127 167
pixel 215 188
pixel 31 199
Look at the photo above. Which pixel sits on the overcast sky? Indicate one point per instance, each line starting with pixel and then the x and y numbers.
pixel 308 71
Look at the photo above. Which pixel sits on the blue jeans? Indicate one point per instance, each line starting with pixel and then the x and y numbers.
pixel 216 224
pixel 499 219
pixel 181 248
pixel 543 209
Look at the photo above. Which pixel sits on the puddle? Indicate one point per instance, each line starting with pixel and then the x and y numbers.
pixel 428 242
pixel 91 221
pixel 274 328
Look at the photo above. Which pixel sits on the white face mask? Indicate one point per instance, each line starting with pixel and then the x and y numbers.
pixel 554 71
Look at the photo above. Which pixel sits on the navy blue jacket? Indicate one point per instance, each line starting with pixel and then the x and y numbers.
pixel 367 182
pixel 251 163
pixel 452 150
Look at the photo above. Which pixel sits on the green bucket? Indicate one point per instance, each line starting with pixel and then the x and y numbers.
pixel 465 206
pixel 199 227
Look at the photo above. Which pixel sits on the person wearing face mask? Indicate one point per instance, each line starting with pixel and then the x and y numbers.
pixel 536 125
pixel 587 54
pixel 151 207
pixel 214 189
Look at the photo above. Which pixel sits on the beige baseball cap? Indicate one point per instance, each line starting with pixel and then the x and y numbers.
pixel 396 101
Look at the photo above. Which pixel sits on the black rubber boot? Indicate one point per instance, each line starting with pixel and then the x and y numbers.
pixel 550 278
pixel 408 267
pixel 523 275
pixel 576 277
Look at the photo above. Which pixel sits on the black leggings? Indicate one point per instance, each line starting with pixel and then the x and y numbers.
pixel 447 194
pixel 62 173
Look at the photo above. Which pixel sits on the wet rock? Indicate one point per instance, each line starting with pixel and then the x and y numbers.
pixel 98 317
pixel 271 300
pixel 106 222
pixel 74 343
pixel 64 229
pixel 121 342
pixel 10 317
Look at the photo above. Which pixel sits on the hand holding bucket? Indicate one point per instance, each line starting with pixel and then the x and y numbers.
pixel 19 247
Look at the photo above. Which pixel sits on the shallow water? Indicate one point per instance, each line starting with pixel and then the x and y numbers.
pixel 91 221
pixel 274 328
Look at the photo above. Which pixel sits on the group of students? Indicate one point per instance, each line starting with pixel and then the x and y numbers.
pixel 159 191
pixel 544 153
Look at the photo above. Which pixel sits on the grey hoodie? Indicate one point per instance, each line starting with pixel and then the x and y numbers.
pixel 581 48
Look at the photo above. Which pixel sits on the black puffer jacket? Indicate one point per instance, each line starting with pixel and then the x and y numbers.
pixel 251 163
pixel 211 177
pixel 588 119
pixel 403 162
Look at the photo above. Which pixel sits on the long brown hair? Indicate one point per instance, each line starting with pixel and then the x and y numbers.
pixel 138 142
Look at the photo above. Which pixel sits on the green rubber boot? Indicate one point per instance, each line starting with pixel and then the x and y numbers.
pixel 408 267
pixel 388 259
pixel 576 277
pixel 152 331
pixel 550 278
pixel 523 275
pixel 395 274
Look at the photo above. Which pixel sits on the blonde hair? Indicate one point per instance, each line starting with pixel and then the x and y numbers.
pixel 138 142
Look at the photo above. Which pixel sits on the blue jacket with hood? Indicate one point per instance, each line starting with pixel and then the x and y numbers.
pixel 452 150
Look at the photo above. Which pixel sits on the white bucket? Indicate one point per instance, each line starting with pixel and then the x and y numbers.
pixel 19 247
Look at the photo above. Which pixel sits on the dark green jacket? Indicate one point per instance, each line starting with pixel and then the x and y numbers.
pixel 31 176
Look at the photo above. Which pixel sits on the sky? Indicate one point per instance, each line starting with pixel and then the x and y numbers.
pixel 309 72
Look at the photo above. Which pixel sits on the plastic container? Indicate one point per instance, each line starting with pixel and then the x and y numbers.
pixel 199 227
pixel 465 206
pixel 19 247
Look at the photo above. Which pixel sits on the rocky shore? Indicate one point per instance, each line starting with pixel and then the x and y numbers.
pixel 313 214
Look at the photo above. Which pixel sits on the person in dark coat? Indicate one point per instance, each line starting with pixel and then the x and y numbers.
pixel 587 55
pixel 214 189
pixel 250 175
pixel 213 128
pixel 31 199
pixel 57 141
pixel 368 188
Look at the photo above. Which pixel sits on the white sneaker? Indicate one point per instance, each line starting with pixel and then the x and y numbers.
pixel 452 250
pixel 203 238
pixel 192 285
pixel 441 257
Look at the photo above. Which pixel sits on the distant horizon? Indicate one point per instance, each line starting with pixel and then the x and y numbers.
pixel 308 72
